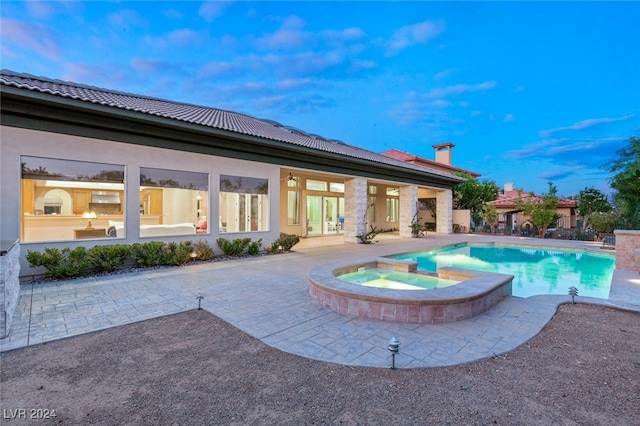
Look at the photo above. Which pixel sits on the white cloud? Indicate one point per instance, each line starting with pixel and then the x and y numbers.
pixel 440 103
pixel 32 37
pixel 177 38
pixel 411 35
pixel 127 18
pixel 292 84
pixel 584 124
pixel 359 65
pixel 211 10
pixel 40 9
pixel 182 37
pixel 509 118
pixel 443 74
pixel 459 89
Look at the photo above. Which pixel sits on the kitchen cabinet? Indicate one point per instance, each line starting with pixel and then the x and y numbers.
pixel 81 200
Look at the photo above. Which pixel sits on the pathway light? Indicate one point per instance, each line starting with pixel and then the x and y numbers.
pixel 199 298
pixel 394 348
pixel 573 292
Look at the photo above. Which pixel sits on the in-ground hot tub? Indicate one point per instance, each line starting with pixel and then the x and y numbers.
pixel 475 293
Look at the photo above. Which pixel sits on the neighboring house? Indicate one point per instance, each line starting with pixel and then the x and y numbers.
pixel 513 221
pixel 443 162
pixel 83 166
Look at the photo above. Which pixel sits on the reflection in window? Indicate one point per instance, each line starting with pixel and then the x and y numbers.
pixel 244 204
pixel 173 202
pixel 336 187
pixel 316 185
pixel 371 210
pixel 393 209
pixel 65 200
pixel 293 208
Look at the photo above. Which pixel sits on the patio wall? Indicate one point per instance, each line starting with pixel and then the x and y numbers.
pixel 627 250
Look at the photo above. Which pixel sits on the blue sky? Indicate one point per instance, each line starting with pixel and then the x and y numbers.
pixel 528 92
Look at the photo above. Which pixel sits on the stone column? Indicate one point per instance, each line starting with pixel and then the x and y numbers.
pixel 444 211
pixel 9 285
pixel 355 209
pixel 408 209
pixel 627 250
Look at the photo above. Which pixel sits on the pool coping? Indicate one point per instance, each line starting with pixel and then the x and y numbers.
pixel 476 293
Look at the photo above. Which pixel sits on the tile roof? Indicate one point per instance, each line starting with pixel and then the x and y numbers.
pixel 415 159
pixel 508 199
pixel 200 115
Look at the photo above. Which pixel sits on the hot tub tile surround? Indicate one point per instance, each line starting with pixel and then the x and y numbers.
pixel 476 293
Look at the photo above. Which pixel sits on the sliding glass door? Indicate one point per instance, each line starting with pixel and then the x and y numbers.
pixel 325 215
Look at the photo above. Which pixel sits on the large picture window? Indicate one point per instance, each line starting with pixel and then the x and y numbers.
pixel 173 202
pixel 244 204
pixel 65 200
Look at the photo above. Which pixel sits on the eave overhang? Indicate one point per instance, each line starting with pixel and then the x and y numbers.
pixel 47 112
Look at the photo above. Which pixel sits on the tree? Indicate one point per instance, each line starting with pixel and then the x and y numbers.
pixel 603 222
pixel 541 210
pixel 626 182
pixel 472 195
pixel 591 201
pixel 490 214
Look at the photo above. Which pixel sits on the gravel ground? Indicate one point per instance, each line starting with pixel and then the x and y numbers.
pixel 194 369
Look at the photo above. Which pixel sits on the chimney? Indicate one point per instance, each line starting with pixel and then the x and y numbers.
pixel 508 187
pixel 443 153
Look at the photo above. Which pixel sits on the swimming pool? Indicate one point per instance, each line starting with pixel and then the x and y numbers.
pixel 536 270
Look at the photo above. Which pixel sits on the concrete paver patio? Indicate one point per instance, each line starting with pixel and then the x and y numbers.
pixel 268 298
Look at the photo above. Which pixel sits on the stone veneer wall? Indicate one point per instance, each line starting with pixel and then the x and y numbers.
pixel 627 250
pixel 355 209
pixel 408 209
pixel 403 312
pixel 9 288
pixel 444 211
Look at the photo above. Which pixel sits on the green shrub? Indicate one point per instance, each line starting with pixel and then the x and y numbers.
pixel 65 263
pixel 203 250
pixel 148 254
pixel 177 254
pixel 254 247
pixel 236 247
pixel 108 258
pixel 284 243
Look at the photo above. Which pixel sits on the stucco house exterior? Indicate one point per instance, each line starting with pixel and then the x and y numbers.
pixel 513 221
pixel 83 165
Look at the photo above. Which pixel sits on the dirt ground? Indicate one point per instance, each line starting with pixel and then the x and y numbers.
pixel 194 369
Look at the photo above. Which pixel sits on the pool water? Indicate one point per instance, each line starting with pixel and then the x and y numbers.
pixel 387 278
pixel 536 270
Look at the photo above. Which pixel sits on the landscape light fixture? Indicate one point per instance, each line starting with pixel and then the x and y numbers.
pixel 199 298
pixel 573 292
pixel 394 348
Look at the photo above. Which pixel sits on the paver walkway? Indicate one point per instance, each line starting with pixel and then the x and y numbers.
pixel 268 298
